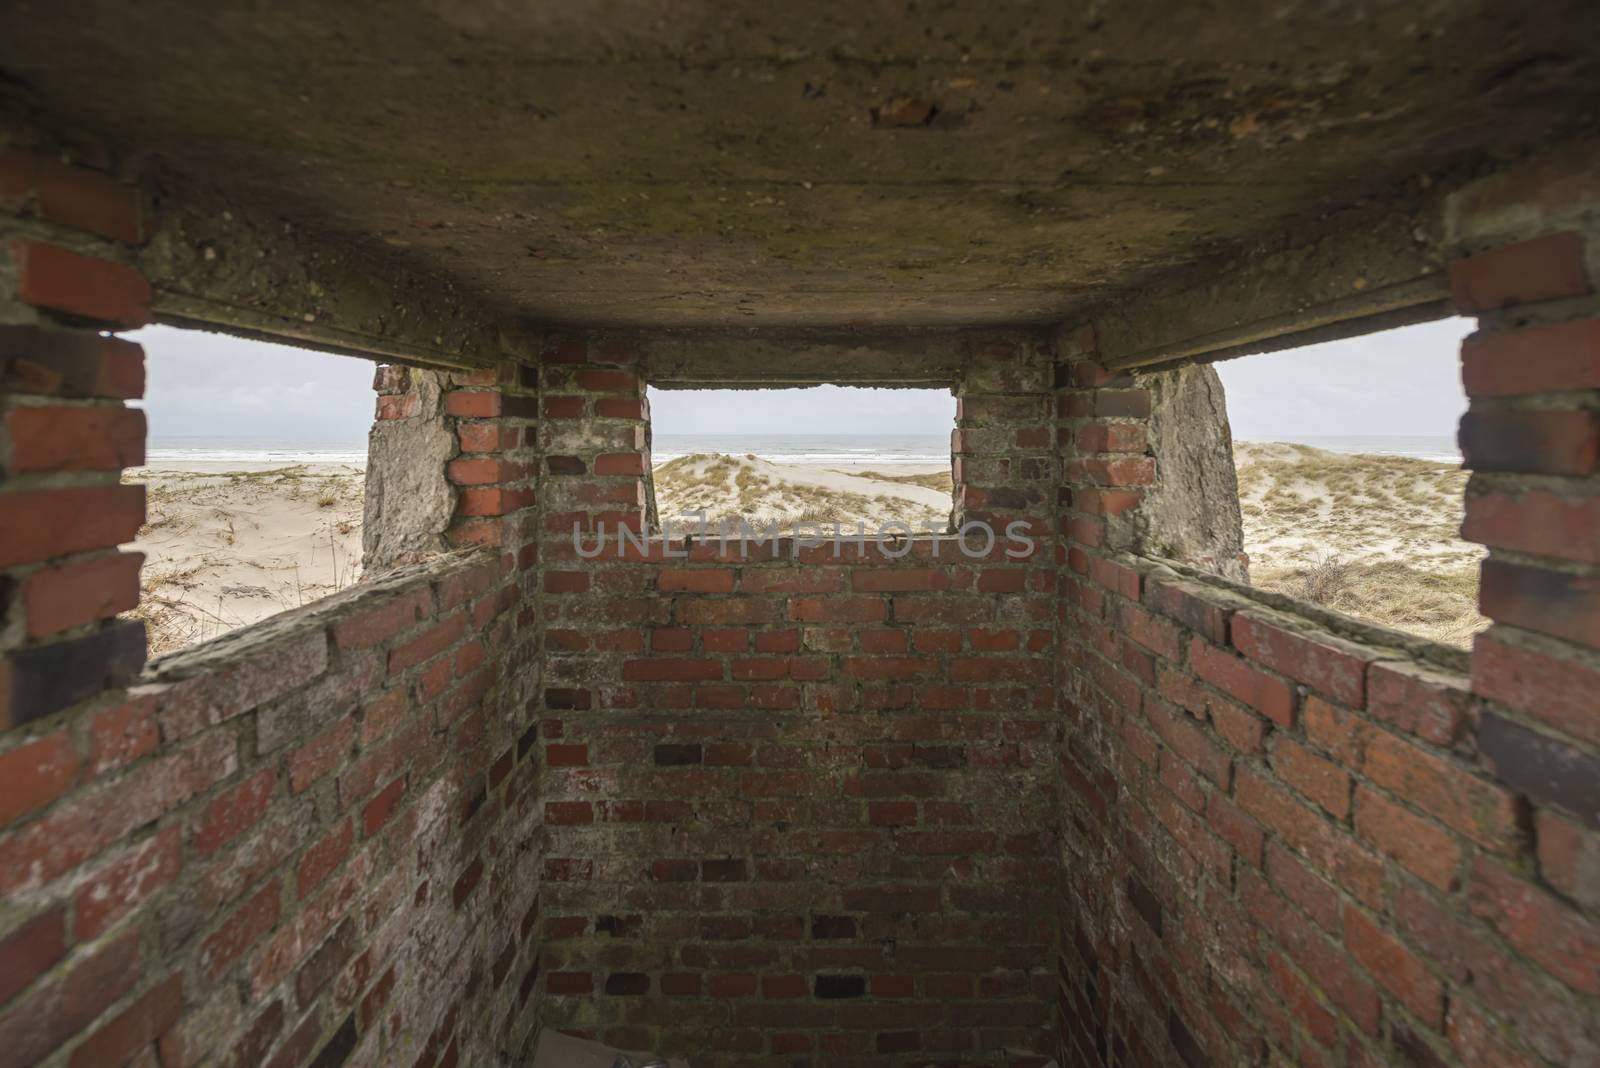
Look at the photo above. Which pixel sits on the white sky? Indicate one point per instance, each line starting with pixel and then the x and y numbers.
pixel 1402 381
pixel 1405 381
pixel 213 385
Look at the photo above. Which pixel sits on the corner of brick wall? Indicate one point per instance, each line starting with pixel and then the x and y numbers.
pixel 1279 842
pixel 310 841
pixel 795 802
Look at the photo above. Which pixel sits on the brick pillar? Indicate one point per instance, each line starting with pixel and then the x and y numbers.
pixel 1529 242
pixel 66 434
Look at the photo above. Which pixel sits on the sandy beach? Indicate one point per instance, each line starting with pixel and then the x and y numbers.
pixel 1372 536
pixel 1375 537
pixel 230 544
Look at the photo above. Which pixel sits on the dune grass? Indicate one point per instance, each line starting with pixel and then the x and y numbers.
pixel 1375 537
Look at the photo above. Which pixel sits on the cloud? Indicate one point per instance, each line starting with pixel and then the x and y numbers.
pixel 1405 381
pixel 201 384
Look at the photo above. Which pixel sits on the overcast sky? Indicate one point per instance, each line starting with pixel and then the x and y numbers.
pixel 212 385
pixel 1399 382
pixel 1405 381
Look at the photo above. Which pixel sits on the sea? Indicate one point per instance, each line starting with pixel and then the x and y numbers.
pixel 921 449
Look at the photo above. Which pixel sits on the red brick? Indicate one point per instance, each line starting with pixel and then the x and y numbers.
pixel 569 983
pixel 900 580
pixel 1317 957
pixel 1564 604
pixel 604 381
pixel 566 581
pixel 66 1005
pixel 731 985
pixel 121 885
pixel 568 813
pixel 323 857
pixel 322 754
pixel 1562 940
pixel 75 438
pixel 49 276
pixel 687 580
pixel 1452 794
pixel 72 594
pixel 1541 268
pixel 428 644
pixel 88 821
pixel 135 1028
pixel 234 812
pixel 1535 521
pixel 669 670
pixel 1395 967
pixel 1553 689
pixel 1328 665
pixel 1324 845
pixel 480 471
pixel 1418 845
pixel 1234 827
pixel 398 406
pixel 1569 857
pixel 73 196
pixel 486 437
pixel 42 524
pixel 371 625
pixel 1268 695
pixel 1299 999
pixel 472 405
pixel 1312 776
pixel 1543 441
pixel 240 931
pixel 69 363
pixel 1537 359
pixel 620 463
pixel 619 408
pixel 36 773
pixel 563 407
pixel 1432 704
pixel 382 806
pixel 30 949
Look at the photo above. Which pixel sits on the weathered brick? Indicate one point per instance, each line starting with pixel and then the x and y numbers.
pixel 1550 267
pixel 1329 665
pixel 1536 359
pixel 1418 845
pixel 35 773
pixel 49 276
pixel 69 363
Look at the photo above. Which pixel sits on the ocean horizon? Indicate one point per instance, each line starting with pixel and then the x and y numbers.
pixel 776 448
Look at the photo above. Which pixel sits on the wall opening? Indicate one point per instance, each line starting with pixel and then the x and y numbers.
pixel 1350 482
pixel 254 471
pixel 817 455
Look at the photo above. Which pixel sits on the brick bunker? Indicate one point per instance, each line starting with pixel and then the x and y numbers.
pixel 796 804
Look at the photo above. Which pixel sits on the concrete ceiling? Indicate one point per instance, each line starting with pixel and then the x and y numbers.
pixel 693 162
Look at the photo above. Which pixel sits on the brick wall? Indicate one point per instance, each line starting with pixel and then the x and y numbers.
pixel 309 842
pixel 1285 838
pixel 836 808
pixel 797 807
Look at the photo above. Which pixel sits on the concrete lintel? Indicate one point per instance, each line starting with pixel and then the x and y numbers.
pixel 1356 271
pixel 764 359
pixel 216 263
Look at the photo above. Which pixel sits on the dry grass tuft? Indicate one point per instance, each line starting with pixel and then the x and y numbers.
pixel 1400 561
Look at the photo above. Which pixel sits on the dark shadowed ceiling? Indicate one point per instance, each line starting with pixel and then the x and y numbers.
pixel 756 163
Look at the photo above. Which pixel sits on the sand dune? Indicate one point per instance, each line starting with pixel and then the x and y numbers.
pixel 1375 537
pixel 734 487
pixel 1372 536
pixel 229 546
